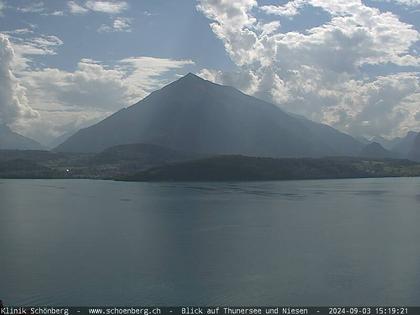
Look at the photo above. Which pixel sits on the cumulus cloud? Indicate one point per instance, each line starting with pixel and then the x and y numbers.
pixel 57 89
pixel 34 7
pixel 120 24
pixel 110 7
pixel 319 72
pixel 102 6
pixel 246 81
pixel 26 44
pixel 291 8
pixel 39 8
pixel 13 100
pixel 411 3
pixel 76 8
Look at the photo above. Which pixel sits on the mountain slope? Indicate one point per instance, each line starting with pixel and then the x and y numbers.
pixel 415 150
pixel 141 153
pixel 385 143
pixel 195 115
pixel 403 146
pixel 10 140
pixel 375 150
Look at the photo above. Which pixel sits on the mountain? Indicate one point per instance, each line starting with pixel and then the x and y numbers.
pixel 403 146
pixel 362 140
pixel 147 154
pixel 10 140
pixel 386 143
pixel 195 115
pixel 375 150
pixel 415 149
pixel 132 158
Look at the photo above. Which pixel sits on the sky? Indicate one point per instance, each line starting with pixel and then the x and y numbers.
pixel 352 64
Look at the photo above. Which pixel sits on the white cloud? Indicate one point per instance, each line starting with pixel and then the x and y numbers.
pixel 110 7
pixel 105 29
pixel 30 46
pixel 34 7
pixel 54 13
pixel 319 72
pixel 246 81
pixel 75 8
pixel 57 89
pixel 38 7
pixel 291 8
pixel 19 31
pixel 411 3
pixel 101 6
pixel 13 101
pixel 120 24
pixel 377 107
pixel 144 74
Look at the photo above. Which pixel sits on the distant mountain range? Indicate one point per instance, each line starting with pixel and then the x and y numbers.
pixel 407 147
pixel 414 153
pixel 195 115
pixel 10 140
pixel 376 150
pixel 404 146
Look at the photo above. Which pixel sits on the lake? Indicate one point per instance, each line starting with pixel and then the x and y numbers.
pixel 325 242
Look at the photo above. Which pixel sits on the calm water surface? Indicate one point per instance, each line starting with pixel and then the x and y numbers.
pixel 81 242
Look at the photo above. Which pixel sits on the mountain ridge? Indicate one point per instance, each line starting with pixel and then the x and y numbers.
pixel 414 153
pixel 376 150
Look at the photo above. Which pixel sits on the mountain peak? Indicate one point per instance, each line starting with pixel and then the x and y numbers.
pixel 191 77
pixel 375 150
pixel 415 150
pixel 189 82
